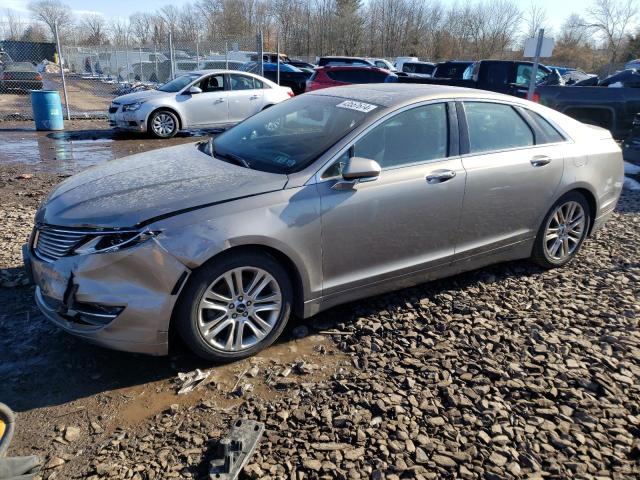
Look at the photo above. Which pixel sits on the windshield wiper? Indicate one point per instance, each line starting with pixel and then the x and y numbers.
pixel 232 158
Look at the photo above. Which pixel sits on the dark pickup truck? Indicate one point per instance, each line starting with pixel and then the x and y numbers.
pixel 502 76
pixel 608 107
pixel 612 108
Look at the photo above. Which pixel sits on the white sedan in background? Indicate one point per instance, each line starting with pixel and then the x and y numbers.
pixel 205 98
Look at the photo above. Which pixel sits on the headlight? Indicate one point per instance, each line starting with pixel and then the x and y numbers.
pixel 132 107
pixel 112 242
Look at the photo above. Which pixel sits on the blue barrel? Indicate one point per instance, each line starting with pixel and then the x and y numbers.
pixel 47 109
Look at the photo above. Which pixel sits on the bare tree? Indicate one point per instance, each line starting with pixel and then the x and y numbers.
pixel 612 20
pixel 95 26
pixel 535 18
pixel 13 27
pixel 53 12
pixel 35 32
pixel 170 15
pixel 141 24
pixel 120 31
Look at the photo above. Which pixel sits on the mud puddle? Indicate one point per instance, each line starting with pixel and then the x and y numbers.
pixel 255 375
pixel 73 150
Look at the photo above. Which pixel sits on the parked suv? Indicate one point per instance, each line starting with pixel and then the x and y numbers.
pixel 335 76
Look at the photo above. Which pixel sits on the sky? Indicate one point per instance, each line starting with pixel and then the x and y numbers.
pixel 557 11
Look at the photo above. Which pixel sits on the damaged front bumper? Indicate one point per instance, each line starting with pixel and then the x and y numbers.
pixel 121 300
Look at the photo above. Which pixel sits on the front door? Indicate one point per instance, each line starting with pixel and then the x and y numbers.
pixel 404 221
pixel 511 178
pixel 208 108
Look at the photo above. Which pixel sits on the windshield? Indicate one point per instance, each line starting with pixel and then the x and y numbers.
pixel 179 83
pixel 291 135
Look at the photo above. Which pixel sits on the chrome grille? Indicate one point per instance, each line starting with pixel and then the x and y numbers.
pixel 51 243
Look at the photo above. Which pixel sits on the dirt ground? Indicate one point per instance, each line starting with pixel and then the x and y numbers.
pixel 51 379
pixel 506 372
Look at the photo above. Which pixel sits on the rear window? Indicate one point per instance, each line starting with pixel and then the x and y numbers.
pixel 450 71
pixel 418 68
pixel 357 76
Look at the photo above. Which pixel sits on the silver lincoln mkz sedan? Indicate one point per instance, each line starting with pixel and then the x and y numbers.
pixel 329 197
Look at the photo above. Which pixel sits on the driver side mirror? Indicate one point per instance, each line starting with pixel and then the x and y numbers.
pixel 358 170
pixel 194 90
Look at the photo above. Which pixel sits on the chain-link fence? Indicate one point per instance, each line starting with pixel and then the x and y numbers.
pixel 93 75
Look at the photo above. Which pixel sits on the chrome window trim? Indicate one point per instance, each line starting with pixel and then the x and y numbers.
pixel 317 177
pixel 567 140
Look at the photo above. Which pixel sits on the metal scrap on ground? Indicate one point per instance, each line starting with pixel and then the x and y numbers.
pixel 235 450
pixel 189 381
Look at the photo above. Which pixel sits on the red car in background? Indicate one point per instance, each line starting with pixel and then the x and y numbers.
pixel 334 76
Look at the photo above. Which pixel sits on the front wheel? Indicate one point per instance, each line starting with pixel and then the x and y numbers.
pixel 163 124
pixel 234 307
pixel 562 232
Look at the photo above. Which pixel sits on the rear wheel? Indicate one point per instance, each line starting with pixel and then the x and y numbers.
pixel 232 308
pixel 562 232
pixel 163 124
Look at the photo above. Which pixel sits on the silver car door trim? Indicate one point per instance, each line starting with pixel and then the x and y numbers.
pixel 317 177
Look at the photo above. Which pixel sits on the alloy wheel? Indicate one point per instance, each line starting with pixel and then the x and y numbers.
pixel 163 124
pixel 564 230
pixel 239 309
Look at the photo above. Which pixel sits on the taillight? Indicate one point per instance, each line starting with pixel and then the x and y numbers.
pixel 290 93
pixel 39 77
pixel 536 97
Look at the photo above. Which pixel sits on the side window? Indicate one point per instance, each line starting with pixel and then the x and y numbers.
pixel 496 73
pixel 523 74
pixel 495 126
pixel 258 83
pixel 214 83
pixel 413 136
pixel 552 135
pixel 240 82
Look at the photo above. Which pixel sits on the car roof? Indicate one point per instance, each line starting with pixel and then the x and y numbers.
pixel 20 65
pixel 398 94
pixel 218 70
pixel 350 67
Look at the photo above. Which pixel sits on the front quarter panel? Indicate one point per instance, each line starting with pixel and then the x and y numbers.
pixel 285 220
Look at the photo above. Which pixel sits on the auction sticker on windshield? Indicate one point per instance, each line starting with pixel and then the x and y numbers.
pixel 359 106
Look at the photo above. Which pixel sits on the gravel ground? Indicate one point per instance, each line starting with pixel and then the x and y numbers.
pixel 505 372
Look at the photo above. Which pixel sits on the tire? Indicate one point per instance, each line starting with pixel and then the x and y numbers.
pixel 559 238
pixel 163 124
pixel 198 317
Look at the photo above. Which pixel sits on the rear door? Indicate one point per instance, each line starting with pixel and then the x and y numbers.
pixel 512 176
pixel 246 97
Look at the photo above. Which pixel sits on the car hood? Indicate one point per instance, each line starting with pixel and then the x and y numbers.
pixel 131 190
pixel 139 96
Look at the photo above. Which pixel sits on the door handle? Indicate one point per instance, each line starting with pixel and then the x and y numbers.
pixel 219 100
pixel 253 97
pixel 440 176
pixel 540 160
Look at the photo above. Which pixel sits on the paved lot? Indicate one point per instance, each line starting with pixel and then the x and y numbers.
pixel 506 372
